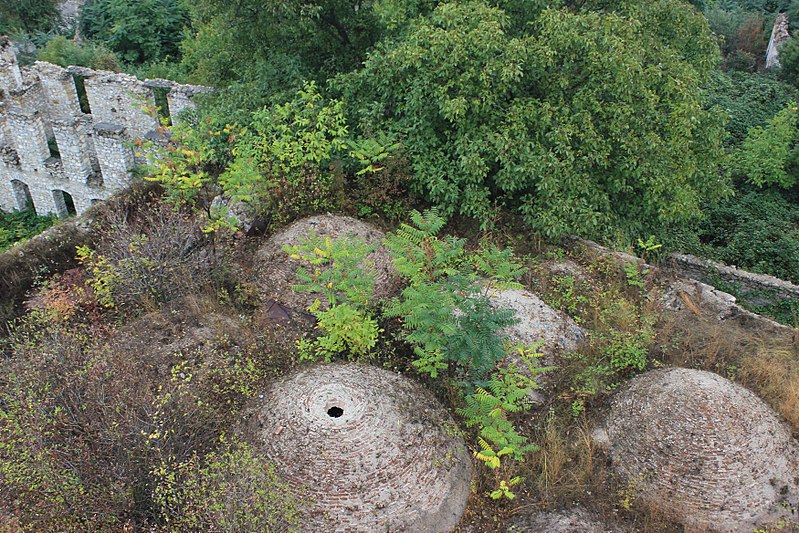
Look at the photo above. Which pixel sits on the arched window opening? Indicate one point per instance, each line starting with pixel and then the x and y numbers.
pixel 22 195
pixel 83 98
pixel 64 204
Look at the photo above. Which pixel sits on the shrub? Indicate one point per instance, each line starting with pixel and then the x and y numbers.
pixel 757 231
pixel 22 225
pixel 230 489
pixel 448 320
pixel 617 302
pixel 84 426
pixel 387 193
pixel 27 15
pixel 489 117
pixel 749 100
pixel 445 308
pixel 346 330
pixel 137 30
pixel 731 23
pixel 148 259
pixel 770 154
pixel 65 297
pixel 190 411
pixel 381 184
pixel 489 409
pixel 69 444
pixel 283 165
pixel 789 62
pixel 743 35
pixel 188 166
pixel 65 52
pixel 341 276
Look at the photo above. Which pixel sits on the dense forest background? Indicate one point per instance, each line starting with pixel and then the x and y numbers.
pixel 610 120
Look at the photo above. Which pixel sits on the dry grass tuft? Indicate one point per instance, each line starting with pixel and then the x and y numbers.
pixel 766 364
pixel 568 466
pixel 774 373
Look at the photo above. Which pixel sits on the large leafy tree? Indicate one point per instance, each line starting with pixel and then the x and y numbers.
pixel 237 38
pixel 138 30
pixel 27 15
pixel 588 120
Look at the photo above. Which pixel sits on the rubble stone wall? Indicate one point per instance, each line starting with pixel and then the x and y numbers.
pixel 779 35
pixel 758 288
pixel 55 156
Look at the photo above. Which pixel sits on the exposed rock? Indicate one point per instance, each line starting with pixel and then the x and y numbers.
pixel 373 451
pixel 617 255
pixel 277 270
pixel 692 296
pixel 761 289
pixel 234 212
pixel 566 521
pixel 564 268
pixel 537 322
pixel 779 35
pixel 681 294
pixel 70 12
pixel 703 450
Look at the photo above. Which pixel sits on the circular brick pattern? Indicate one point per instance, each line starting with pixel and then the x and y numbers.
pixel 704 450
pixel 372 450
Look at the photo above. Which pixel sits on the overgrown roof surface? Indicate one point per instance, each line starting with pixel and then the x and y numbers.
pixel 372 450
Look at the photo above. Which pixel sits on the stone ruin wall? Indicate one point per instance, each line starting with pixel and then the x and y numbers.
pixel 93 157
pixel 698 279
pixel 759 289
pixel 779 34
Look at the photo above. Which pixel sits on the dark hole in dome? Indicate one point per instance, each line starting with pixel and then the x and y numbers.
pixel 335 412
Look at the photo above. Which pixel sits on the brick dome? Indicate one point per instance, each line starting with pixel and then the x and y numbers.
pixel 372 450
pixel 277 270
pixel 704 450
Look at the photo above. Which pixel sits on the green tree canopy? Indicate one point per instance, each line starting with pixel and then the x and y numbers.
pixel 235 39
pixel 138 30
pixel 748 99
pixel 27 15
pixel 789 61
pixel 770 154
pixel 589 122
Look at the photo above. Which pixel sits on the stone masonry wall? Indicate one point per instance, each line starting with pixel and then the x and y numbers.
pixel 779 34
pixel 760 289
pixel 698 280
pixel 55 156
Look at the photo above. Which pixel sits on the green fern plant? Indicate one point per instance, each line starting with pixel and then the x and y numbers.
pixel 489 410
pixel 445 308
pixel 449 322
pixel 418 253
